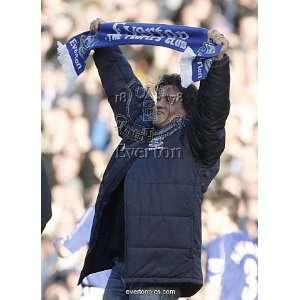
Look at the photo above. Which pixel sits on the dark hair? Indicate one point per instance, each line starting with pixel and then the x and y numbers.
pixel 192 105
pixel 188 94
pixel 223 199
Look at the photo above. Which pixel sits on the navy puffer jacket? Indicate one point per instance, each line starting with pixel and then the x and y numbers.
pixel 163 182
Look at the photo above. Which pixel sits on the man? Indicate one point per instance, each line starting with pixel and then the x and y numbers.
pixel 231 272
pixel 147 215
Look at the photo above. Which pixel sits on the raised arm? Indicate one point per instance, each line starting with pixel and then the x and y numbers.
pixel 214 105
pixel 131 104
pixel 79 237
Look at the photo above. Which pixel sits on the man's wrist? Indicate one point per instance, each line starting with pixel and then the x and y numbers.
pixel 220 57
pixel 221 62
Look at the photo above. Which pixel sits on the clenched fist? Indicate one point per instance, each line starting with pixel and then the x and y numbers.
pixel 219 39
pixel 94 24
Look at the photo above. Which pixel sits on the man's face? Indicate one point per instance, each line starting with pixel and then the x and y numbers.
pixel 168 105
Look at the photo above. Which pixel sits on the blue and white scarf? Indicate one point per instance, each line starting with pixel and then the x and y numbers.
pixel 198 51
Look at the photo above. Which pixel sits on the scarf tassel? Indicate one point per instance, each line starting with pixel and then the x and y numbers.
pixel 66 61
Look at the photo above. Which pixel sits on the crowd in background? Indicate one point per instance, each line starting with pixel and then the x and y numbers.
pixel 78 127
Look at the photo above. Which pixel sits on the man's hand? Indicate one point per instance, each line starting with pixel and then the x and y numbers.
pixel 219 39
pixel 94 25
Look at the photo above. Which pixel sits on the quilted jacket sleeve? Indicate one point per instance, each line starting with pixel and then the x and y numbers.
pixel 131 103
pixel 213 96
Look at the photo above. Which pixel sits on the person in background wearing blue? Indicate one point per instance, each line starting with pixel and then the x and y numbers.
pixel 93 285
pixel 147 219
pixel 231 267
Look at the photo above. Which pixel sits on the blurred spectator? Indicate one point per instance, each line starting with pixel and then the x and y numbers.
pixel 231 255
pixel 56 291
pixel 62 26
pixel 79 131
pixel 93 285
